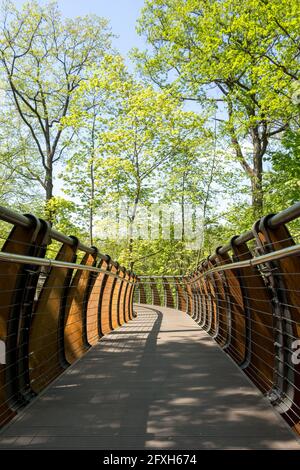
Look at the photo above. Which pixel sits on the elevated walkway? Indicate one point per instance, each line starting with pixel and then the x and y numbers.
pixel 158 382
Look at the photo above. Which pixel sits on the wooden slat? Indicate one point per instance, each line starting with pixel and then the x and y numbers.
pixel 115 300
pixel 75 338
pixel 155 293
pixel 237 346
pixel 93 317
pixel 169 301
pixel 46 333
pixel 142 293
pixel 122 303
pixel 105 319
pixel 13 280
pixel 180 295
pixel 287 281
pixel 223 310
pixel 189 296
pixel 259 305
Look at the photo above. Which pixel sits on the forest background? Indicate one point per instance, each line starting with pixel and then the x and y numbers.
pixel 203 114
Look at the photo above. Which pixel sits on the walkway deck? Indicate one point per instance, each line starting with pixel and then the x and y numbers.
pixel 156 383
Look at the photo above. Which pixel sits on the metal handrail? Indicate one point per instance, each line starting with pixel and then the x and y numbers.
pixel 22 259
pixel 159 276
pixel 272 256
pixel 49 263
pixel 282 217
pixel 12 217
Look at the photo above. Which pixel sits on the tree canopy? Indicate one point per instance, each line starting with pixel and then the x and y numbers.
pixel 209 119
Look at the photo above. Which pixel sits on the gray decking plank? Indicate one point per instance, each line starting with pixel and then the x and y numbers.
pixel 158 382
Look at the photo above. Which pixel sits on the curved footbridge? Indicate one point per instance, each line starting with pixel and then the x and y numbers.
pixel 158 382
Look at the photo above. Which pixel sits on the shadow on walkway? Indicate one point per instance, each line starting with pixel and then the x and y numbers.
pixel 158 382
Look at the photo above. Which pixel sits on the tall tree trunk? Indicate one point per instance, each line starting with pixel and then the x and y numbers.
pixel 131 223
pixel 254 172
pixel 182 208
pixel 91 215
pixel 207 198
pixel 49 184
pixel 256 184
pixel 92 175
pixel 49 168
pixel 132 219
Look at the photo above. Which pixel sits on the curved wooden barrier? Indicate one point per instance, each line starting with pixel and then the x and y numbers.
pixel 253 311
pixel 16 295
pixel 46 354
pixel 169 300
pixel 114 303
pixel 51 316
pixel 122 297
pixel 75 329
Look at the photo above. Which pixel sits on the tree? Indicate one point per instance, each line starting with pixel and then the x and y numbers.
pixel 44 58
pixel 224 52
pixel 17 186
pixel 140 132
pixel 283 179
pixel 144 139
pixel 82 166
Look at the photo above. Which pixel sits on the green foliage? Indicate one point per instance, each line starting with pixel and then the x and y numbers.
pixel 60 212
pixel 241 54
pixel 283 183
pixel 137 135
pixel 43 59
pixel 67 99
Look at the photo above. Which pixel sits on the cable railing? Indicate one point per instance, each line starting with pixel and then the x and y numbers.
pixel 247 297
pixel 52 310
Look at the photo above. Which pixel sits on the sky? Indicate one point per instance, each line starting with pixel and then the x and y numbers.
pixel 122 15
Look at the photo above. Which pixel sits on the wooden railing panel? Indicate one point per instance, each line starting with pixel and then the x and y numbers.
pixel 105 310
pixel 18 283
pixel 46 348
pixel 115 300
pixel 237 346
pixel 284 281
pixel 169 300
pixel 181 295
pixel 75 330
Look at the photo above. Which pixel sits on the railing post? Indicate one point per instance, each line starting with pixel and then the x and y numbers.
pixel 207 317
pixel 46 352
pixel 154 292
pixel 132 279
pixel 142 293
pixel 93 314
pixel 181 298
pixel 105 297
pixel 169 301
pixel 237 345
pixel 75 331
pixel 283 278
pixel 193 287
pixel 29 294
pixel 214 300
pixel 120 300
pixel 124 297
pixel 260 354
pixel 223 328
pixel 114 314
pixel 189 296
pixel 204 302
pixel 18 285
